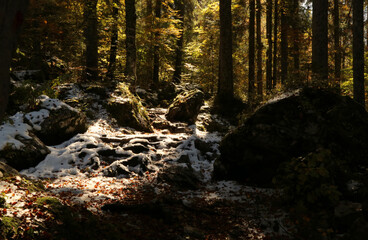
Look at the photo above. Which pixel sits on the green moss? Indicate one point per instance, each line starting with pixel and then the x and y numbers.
pixel 29 184
pixel 52 205
pixel 129 112
pixel 2 202
pixel 8 227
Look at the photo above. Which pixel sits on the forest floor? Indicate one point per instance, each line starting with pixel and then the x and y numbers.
pixel 63 199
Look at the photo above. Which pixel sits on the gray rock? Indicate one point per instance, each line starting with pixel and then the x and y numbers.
pixel 179 177
pixel 7 171
pixel 128 110
pixel 56 122
pixel 29 155
pixel 186 106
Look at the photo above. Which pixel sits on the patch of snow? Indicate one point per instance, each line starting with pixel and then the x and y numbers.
pixel 68 158
pixel 15 127
pixel 36 118
pixel 52 104
pixel 284 95
pixel 25 74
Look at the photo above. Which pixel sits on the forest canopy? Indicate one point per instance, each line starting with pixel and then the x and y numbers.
pixel 275 45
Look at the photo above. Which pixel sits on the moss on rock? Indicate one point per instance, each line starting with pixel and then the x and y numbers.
pixel 128 110
pixel 8 227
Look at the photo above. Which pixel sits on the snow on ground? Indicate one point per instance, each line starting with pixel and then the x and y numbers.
pixel 75 170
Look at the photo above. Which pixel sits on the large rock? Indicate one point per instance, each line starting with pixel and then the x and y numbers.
pixel 128 110
pixel 19 147
pixel 293 126
pixel 186 106
pixel 180 177
pixel 7 171
pixel 55 121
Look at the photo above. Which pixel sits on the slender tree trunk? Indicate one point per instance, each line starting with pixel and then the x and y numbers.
pixel 296 41
pixel 336 20
pixel 259 53
pixel 251 54
pixel 11 19
pixel 358 51
pixel 367 28
pixel 225 92
pixel 275 49
pixel 269 47
pixel 320 41
pixel 180 43
pixel 284 44
pixel 91 40
pixel 156 49
pixel 131 49
pixel 150 37
pixel 114 40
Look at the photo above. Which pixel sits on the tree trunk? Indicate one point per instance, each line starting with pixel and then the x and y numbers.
pixel 225 92
pixel 180 42
pixel 336 20
pixel 269 47
pixel 156 49
pixel 259 53
pixel 275 49
pixel 284 44
pixel 131 49
pixel 11 19
pixel 358 51
pixel 91 40
pixel 296 41
pixel 114 40
pixel 149 31
pixel 251 54
pixel 320 41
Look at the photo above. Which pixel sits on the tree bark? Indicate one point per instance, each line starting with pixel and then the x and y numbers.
pixel 114 40
pixel 358 51
pixel 180 42
pixel 275 49
pixel 284 43
pixel 156 48
pixel 320 41
pixel 296 41
pixel 269 47
pixel 11 19
pixel 150 36
pixel 259 53
pixel 131 49
pixel 91 40
pixel 337 46
pixel 225 92
pixel 251 54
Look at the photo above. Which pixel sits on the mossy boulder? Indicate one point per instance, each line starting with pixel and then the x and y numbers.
pixel 293 126
pixel 128 110
pixel 186 106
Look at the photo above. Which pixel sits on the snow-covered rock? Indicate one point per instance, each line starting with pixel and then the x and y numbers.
pixel 55 121
pixel 19 147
